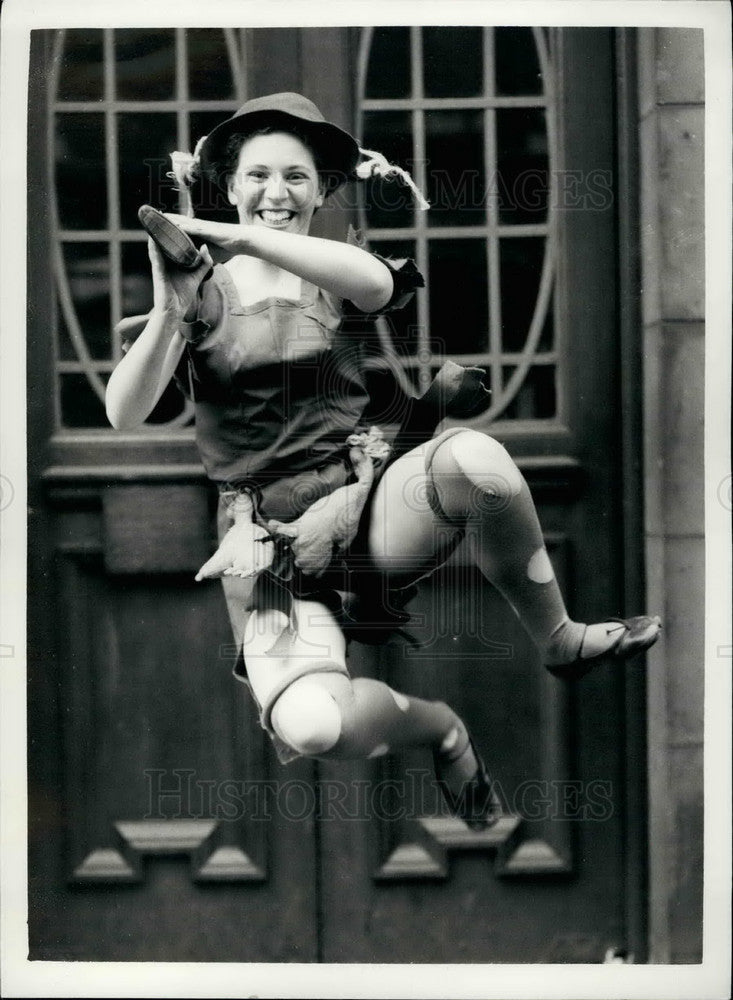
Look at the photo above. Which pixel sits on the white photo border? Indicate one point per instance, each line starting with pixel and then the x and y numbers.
pixel 23 978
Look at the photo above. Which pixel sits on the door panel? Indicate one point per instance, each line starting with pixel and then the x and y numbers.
pixel 174 843
pixel 162 826
pixel 547 883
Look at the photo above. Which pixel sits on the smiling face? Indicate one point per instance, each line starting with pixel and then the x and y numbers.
pixel 276 183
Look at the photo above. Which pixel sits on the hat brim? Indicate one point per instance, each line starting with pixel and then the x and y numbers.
pixel 337 152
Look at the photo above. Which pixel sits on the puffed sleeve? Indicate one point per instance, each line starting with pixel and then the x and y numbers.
pixel 405 276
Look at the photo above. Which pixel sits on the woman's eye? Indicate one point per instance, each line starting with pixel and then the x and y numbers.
pixel 256 175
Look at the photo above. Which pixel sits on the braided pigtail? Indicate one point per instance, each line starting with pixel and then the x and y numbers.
pixel 186 170
pixel 377 165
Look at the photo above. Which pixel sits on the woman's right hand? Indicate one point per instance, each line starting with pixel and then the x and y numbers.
pixel 174 290
pixel 246 550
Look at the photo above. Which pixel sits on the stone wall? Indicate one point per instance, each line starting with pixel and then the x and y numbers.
pixel 671 110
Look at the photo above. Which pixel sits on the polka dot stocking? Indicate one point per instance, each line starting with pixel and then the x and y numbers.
pixel 476 479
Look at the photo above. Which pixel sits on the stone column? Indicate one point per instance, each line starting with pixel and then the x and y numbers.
pixel 671 78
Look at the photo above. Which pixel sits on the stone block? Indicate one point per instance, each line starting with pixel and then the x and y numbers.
pixel 686 860
pixel 684 629
pixel 646 48
pixel 653 452
pixel 682 427
pixel 680 65
pixel 682 212
pixel 651 301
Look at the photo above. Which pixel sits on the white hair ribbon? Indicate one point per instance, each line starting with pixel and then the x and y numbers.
pixel 377 165
pixel 184 173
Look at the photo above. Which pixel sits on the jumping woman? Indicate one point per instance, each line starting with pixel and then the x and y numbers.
pixel 324 525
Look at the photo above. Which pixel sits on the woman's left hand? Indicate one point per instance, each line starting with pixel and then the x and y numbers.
pixel 224 239
pixel 328 526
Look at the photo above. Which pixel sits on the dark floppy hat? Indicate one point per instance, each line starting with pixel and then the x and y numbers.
pixel 337 151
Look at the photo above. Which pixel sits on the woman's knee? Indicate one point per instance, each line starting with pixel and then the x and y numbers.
pixel 307 717
pixel 482 460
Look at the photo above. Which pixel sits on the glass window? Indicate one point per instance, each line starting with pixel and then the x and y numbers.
pixel 388 73
pixel 210 74
pixel 458 320
pixel 81 72
pixel 387 204
pixel 144 140
pixel 522 164
pixel 456 179
pixel 452 62
pixel 472 129
pixel 516 64
pixel 145 64
pixel 131 91
pixel 81 178
pixel 521 259
pixel 87 267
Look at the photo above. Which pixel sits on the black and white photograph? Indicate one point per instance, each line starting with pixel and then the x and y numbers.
pixel 366 499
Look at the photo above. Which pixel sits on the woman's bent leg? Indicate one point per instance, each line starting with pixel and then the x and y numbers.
pixel 470 482
pixel 333 717
pixel 329 716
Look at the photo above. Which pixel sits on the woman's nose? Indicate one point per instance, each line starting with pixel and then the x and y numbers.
pixel 275 188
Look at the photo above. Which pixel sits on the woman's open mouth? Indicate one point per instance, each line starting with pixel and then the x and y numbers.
pixel 275 216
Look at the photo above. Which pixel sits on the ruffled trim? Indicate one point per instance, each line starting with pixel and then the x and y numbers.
pixel 405 275
pixel 406 279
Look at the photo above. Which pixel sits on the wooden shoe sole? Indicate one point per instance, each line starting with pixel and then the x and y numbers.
pixel 177 246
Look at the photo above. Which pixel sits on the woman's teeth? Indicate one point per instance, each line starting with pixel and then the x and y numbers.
pixel 274 216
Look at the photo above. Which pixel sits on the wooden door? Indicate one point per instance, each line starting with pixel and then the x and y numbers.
pixel 550 882
pixel 161 825
pixel 158 829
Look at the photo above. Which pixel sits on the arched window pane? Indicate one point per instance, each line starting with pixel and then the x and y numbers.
pixel 145 140
pixel 516 62
pixel 87 267
pixel 389 132
pixel 521 261
pixel 454 144
pixel 145 64
pixel 80 76
pixel 81 178
pixel 458 297
pixel 81 407
pixel 452 62
pixel 209 70
pixel 476 140
pixel 536 398
pixel 137 290
pixel 523 164
pixel 388 73
pixel 132 91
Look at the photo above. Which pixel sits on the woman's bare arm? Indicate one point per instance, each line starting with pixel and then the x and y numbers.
pixel 140 378
pixel 339 268
pixel 138 381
